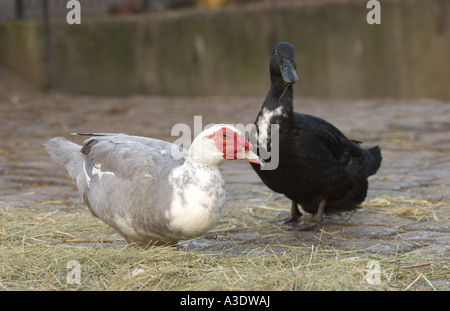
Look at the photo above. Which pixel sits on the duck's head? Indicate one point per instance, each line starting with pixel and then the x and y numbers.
pixel 220 143
pixel 283 62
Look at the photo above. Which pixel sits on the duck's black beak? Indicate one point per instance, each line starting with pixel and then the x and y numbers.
pixel 288 71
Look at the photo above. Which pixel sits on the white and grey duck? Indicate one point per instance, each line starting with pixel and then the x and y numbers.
pixel 151 191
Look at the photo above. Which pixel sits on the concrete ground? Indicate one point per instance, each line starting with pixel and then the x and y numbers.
pixel 407 208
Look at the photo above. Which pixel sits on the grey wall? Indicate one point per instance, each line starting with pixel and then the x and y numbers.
pixel 226 52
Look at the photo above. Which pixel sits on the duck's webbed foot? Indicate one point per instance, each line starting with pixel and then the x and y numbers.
pixel 294 218
pixel 311 225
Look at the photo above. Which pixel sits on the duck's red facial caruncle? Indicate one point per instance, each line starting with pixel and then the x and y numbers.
pixel 234 146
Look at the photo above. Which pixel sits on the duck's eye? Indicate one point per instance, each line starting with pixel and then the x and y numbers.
pixel 224 135
pixel 246 149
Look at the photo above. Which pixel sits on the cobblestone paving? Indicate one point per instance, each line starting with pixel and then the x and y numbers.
pixel 407 208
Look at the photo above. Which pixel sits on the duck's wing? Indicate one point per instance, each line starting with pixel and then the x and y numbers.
pixel 126 157
pixel 130 157
pixel 327 137
pixel 114 172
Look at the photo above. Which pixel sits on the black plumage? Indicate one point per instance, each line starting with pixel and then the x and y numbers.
pixel 319 167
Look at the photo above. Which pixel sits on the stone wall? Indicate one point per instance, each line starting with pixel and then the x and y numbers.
pixel 226 52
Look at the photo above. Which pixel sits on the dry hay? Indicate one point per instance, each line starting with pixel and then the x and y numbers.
pixel 37 244
pixel 407 207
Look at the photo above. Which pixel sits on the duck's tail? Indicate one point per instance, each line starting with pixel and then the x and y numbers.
pixel 61 150
pixel 375 161
pixel 67 154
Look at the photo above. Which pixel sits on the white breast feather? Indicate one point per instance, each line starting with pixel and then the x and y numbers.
pixel 264 124
pixel 192 210
pixel 96 170
pixel 88 179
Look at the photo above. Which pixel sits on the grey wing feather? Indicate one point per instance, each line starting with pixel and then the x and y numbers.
pixel 98 134
pixel 67 154
pixel 135 199
pixel 130 157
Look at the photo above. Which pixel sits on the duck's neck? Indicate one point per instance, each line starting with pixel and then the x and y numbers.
pixel 194 162
pixel 204 153
pixel 280 94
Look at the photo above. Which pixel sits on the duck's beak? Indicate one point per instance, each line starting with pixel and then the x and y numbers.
pixel 245 152
pixel 288 71
pixel 250 156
